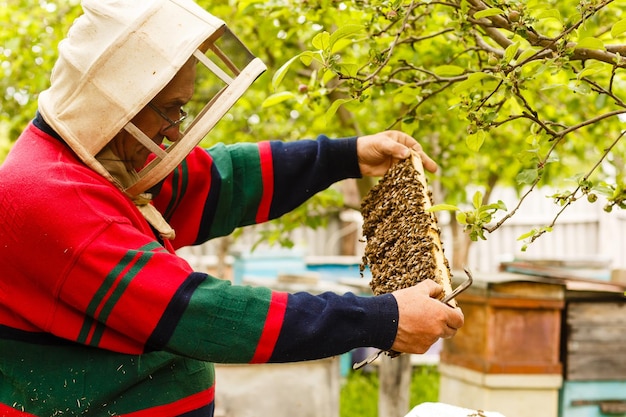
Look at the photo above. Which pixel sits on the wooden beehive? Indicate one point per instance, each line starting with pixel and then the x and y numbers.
pixel 595 340
pixel 512 327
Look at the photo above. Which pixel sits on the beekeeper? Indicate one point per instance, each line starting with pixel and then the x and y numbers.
pixel 98 315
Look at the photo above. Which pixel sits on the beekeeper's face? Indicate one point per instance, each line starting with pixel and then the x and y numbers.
pixel 160 119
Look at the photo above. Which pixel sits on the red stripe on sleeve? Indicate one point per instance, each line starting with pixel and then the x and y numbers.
pixel 267 176
pixel 191 403
pixel 272 327
pixel 6 411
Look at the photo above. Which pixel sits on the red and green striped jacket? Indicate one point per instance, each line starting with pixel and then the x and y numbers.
pixel 98 317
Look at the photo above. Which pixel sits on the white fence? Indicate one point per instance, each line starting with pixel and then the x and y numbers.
pixel 583 231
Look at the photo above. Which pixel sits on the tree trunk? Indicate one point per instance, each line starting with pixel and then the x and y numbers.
pixel 223 248
pixel 395 384
pixel 461 245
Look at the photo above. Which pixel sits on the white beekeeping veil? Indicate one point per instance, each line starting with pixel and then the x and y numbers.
pixel 116 58
pixel 118 55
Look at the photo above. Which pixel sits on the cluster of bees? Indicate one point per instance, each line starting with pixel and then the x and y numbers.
pixel 398 231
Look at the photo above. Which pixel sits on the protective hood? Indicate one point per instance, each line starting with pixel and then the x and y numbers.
pixel 118 55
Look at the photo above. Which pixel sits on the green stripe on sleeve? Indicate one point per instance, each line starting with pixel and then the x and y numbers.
pixel 114 284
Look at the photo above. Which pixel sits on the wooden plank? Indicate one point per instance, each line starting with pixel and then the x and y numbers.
pixel 529 289
pixel 592 347
pixel 604 313
pixel 600 334
pixel 596 335
pixel 602 366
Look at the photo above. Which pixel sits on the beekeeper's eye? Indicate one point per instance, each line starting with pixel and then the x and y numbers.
pixel 182 115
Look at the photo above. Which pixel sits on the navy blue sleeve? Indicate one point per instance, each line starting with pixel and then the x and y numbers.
pixel 319 326
pixel 313 165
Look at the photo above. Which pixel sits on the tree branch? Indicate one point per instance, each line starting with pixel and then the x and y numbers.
pixel 493 25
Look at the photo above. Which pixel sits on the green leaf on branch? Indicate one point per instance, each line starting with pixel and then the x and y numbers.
pixel 476 140
pixel 274 99
pixel 321 41
pixel 618 28
pixel 349 69
pixel 496 206
pixel 580 88
pixel 493 11
pixel 443 207
pixel 533 234
pixel 510 52
pixel 592 69
pixel 550 14
pixel 334 107
pixel 342 33
pixel 306 57
pixel 471 81
pixel 478 199
pixel 604 189
pixel 448 70
pixel 590 43
pixel 527 176
pixel 527 234
pixel 527 53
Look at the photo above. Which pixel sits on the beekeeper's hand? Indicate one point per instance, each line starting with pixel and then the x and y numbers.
pixel 423 319
pixel 377 152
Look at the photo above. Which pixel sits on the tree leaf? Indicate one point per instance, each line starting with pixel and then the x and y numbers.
pixel 448 70
pixel 477 200
pixel 472 80
pixel 590 43
pixel 475 141
pixel 442 207
pixel 591 69
pixel 321 41
pixel 510 52
pixel 349 69
pixel 527 53
pixel 580 88
pixel 334 107
pixel 527 234
pixel 277 98
pixel 493 11
pixel 343 32
pixel 527 176
pixel 618 28
pixel 306 57
pixel 241 5
pixel 550 14
pixel 278 76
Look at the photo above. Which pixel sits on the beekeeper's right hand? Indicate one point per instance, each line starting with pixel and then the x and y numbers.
pixel 423 319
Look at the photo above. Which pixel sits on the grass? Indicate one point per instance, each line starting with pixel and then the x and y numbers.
pixel 359 394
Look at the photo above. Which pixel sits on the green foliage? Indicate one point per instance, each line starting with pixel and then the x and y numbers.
pixel 505 92
pixel 315 213
pixel 28 54
pixel 359 394
pixel 424 385
pixel 521 93
pixel 29 34
pixel 474 221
